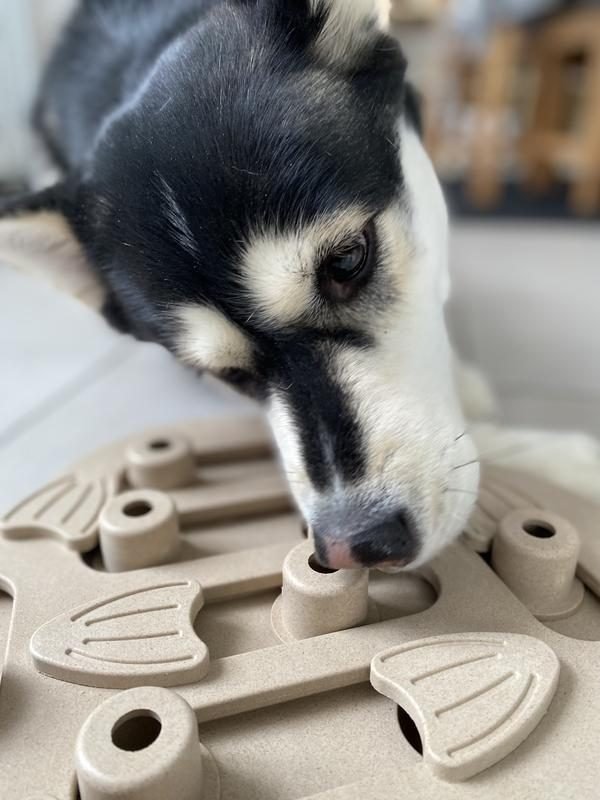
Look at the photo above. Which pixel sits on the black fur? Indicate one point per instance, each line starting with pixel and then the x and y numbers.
pixel 184 127
pixel 237 119
pixel 106 51
pixel 331 440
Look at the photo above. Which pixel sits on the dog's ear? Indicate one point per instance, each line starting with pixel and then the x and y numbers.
pixel 348 25
pixel 37 237
pixel 347 28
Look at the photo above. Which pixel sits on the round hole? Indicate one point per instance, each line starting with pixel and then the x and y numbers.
pixel 410 730
pixel 541 530
pixel 160 444
pixel 136 731
pixel 314 564
pixel 137 508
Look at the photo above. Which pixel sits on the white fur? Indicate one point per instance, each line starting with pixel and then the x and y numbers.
pixel 278 276
pixel 207 339
pixel 43 245
pixel 570 460
pixel 348 26
pixel 402 390
pixel 289 447
pixel 476 395
pixel 176 218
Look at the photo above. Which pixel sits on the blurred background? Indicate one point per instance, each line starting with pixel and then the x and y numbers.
pixel 511 94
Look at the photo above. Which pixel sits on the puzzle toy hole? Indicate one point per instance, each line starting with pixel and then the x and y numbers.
pixel 314 564
pixel 160 444
pixel 410 730
pixel 540 530
pixel 136 731
pixel 137 508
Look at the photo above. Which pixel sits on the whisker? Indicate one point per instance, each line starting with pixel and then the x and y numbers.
pixel 466 464
pixel 461 491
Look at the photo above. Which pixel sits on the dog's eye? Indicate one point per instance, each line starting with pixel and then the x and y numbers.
pixel 347 264
pixel 345 270
pixel 243 381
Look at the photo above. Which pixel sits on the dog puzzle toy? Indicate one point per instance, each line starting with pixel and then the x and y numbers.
pixel 170 636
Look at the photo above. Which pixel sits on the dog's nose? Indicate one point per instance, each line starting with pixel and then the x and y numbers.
pixel 392 541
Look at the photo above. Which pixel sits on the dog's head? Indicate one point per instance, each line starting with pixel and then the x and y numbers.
pixel 263 206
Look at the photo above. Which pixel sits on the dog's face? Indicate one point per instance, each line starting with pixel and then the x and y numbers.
pixel 263 206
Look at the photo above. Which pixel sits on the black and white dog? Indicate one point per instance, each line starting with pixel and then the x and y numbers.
pixel 244 183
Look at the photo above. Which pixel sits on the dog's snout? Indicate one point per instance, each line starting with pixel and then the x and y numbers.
pixel 391 541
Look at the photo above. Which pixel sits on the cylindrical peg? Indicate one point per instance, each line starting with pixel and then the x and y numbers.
pixel 535 553
pixel 160 462
pixel 315 600
pixel 142 744
pixel 138 529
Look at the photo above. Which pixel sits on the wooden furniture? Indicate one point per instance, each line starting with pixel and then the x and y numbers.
pixel 558 140
pixel 493 91
pixel 550 145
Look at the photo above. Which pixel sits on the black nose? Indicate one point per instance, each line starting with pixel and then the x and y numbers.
pixel 390 540
pixel 393 540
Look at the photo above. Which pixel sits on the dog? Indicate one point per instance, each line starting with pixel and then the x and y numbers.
pixel 244 182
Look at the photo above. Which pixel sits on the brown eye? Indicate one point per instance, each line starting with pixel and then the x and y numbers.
pixel 348 264
pixel 346 269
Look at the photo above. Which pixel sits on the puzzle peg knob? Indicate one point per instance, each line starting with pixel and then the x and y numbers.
pixel 315 600
pixel 160 462
pixel 138 529
pixel 535 553
pixel 142 744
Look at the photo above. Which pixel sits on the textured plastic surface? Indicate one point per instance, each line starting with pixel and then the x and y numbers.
pixel 197 677
pixel 475 696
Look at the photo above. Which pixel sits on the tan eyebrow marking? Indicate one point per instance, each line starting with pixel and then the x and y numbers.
pixel 209 340
pixel 279 268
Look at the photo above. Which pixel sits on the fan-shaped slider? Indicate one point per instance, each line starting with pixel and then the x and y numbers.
pixel 142 637
pixel 474 697
pixel 66 510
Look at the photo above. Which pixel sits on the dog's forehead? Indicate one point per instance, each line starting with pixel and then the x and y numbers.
pixel 245 132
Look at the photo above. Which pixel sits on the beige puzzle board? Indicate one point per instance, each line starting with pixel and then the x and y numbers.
pixel 170 636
